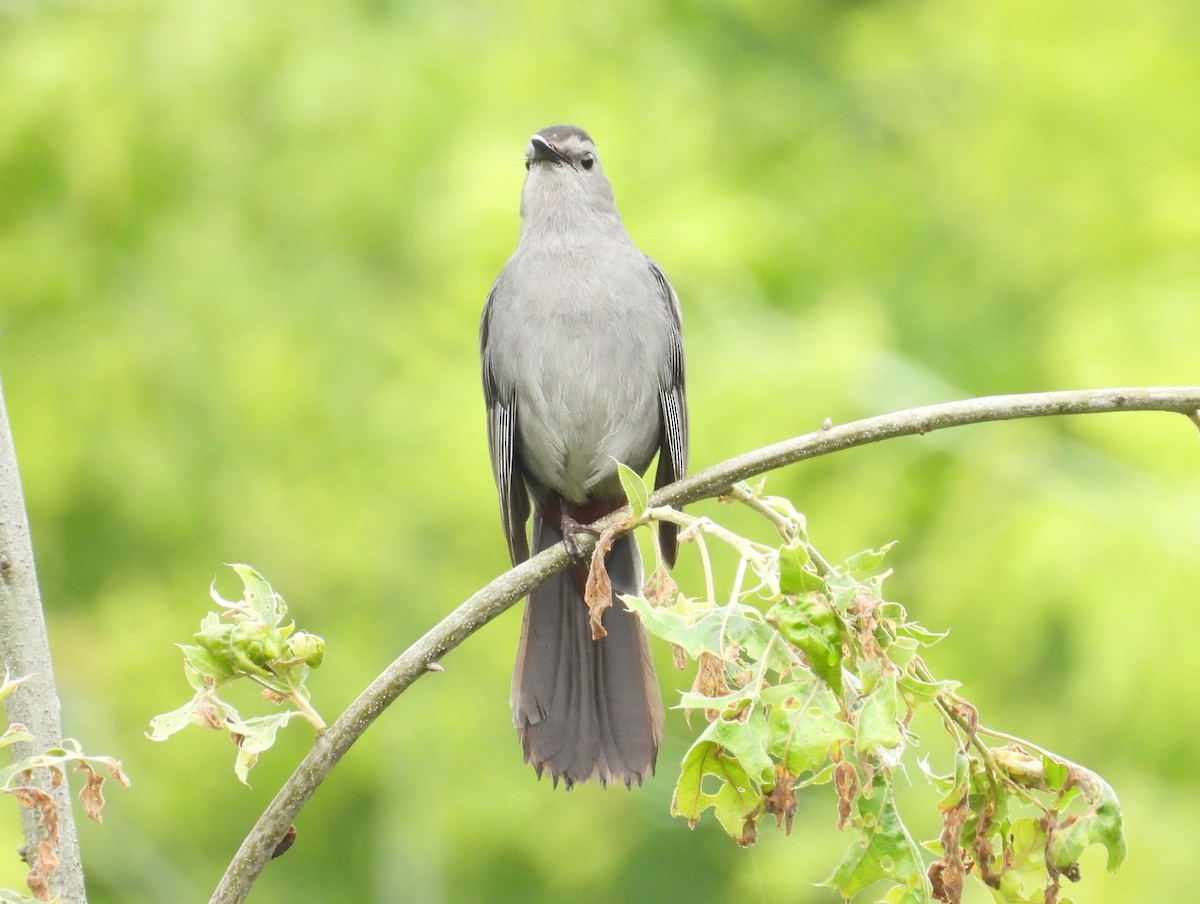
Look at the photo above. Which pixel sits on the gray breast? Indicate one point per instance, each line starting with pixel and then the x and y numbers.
pixel 584 352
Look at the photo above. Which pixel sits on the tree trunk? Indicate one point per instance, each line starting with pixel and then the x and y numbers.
pixel 25 650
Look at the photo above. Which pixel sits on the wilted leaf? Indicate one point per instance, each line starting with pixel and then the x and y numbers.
pixel 92 793
pixel 598 592
pixel 780 801
pixel 679 657
pixel 710 680
pixel 660 588
pixel 845 782
pixel 948 875
pixel 46 860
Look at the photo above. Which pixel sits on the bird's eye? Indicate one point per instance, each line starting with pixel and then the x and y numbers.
pixel 587 160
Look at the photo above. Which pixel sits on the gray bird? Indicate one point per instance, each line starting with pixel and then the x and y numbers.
pixel 582 368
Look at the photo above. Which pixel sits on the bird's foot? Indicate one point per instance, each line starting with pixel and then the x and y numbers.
pixel 571 532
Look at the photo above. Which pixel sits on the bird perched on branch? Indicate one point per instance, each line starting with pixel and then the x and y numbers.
pixel 582 368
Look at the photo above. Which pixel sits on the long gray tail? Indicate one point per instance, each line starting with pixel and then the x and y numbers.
pixel 583 708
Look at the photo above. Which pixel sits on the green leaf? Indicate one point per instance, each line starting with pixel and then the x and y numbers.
pixel 203 668
pixel 10 684
pixel 921 635
pixel 1025 879
pixel 166 724
pixel 745 741
pixel 714 630
pixel 878 717
pixel 869 672
pixel 14 734
pixel 1103 824
pixel 811 624
pixel 794 577
pixel 917 691
pixel 883 850
pixel 734 797
pixel 902 894
pixel 54 759
pixel 734 700
pixel 11 897
pixel 259 597
pixel 256 735
pixel 805 725
pixel 864 564
pixel 635 490
pixel 1056 773
pixel 307 648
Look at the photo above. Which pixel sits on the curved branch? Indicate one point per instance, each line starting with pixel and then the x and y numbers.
pixel 504 591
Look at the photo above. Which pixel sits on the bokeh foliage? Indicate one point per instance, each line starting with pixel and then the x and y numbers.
pixel 243 249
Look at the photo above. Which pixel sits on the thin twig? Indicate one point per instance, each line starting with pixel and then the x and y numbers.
pixel 783 525
pixel 510 587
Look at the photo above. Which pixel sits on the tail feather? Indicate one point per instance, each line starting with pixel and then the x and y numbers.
pixel 586 709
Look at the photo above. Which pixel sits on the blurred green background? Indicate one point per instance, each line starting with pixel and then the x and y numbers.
pixel 243 251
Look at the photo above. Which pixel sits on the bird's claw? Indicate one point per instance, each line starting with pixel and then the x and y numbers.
pixel 571 532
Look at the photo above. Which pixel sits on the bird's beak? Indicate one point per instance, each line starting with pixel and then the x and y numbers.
pixel 544 150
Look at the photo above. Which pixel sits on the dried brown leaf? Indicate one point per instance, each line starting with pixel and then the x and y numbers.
pixel 660 588
pixel 597 593
pixel 949 873
pixel 114 770
pixel 866 607
pixel 845 781
pixel 38 878
pixel 985 854
pixel 749 833
pixel 710 680
pixel 781 801
pixel 679 656
pixel 92 794
pixel 209 715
